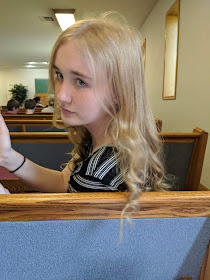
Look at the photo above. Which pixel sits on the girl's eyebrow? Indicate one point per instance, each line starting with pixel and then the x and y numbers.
pixel 80 74
pixel 55 67
pixel 75 73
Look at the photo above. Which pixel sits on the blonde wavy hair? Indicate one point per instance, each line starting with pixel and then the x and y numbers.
pixel 112 50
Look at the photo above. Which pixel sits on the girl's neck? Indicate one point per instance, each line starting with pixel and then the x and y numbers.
pixel 99 138
pixel 100 142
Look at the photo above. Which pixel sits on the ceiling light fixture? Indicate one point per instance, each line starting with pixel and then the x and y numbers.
pixel 33 62
pixel 65 17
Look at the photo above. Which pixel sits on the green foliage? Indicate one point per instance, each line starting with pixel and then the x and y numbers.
pixel 19 92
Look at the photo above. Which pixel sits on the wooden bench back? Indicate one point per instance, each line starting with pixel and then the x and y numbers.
pixel 18 125
pixel 184 156
pixel 183 152
pixel 40 116
pixel 75 236
pixel 32 126
pixel 37 110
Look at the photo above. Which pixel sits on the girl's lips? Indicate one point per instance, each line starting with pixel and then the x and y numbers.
pixel 65 111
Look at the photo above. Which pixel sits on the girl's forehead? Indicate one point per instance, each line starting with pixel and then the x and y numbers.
pixel 77 58
pixel 69 57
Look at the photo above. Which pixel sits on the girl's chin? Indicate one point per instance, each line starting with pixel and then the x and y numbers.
pixel 69 121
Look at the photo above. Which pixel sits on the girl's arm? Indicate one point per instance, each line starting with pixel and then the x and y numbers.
pixel 40 178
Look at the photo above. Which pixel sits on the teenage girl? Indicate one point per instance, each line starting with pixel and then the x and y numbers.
pixel 96 72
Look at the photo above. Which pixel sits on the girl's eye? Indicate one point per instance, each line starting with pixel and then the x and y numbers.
pixel 59 76
pixel 80 83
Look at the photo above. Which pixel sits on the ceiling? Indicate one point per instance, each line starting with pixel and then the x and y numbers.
pixel 25 38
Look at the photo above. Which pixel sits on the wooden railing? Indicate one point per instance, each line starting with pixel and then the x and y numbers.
pixel 39 206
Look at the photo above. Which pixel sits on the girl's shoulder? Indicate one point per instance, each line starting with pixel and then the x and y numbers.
pixel 96 159
pixel 99 172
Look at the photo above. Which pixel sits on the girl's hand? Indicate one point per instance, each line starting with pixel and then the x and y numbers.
pixel 5 143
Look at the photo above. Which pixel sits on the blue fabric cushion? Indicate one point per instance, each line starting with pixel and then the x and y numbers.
pixel 160 249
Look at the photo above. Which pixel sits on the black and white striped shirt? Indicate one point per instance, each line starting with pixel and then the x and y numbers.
pixel 99 172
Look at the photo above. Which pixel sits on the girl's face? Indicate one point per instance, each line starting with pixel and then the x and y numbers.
pixel 74 90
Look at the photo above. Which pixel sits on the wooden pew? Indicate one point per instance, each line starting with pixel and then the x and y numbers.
pixel 37 110
pixel 23 110
pixel 20 124
pixel 32 126
pixel 75 236
pixel 184 155
pixel 3 107
pixel 40 116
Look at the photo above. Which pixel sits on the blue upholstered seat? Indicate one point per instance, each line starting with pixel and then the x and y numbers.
pixel 156 249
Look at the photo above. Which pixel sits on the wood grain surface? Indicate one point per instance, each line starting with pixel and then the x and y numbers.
pixel 39 206
pixel 39 137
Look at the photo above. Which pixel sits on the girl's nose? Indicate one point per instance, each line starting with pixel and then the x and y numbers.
pixel 64 93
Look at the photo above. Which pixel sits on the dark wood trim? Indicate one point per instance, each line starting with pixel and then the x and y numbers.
pixel 39 137
pixel 183 135
pixel 197 159
pixel 16 185
pixel 76 206
pixel 31 122
pixel 40 116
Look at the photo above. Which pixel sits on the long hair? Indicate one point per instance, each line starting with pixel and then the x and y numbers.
pixel 112 51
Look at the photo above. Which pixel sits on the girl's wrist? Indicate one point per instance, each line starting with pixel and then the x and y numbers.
pixel 12 161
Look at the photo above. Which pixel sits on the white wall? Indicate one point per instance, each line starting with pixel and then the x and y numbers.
pixel 192 105
pixel 3 88
pixel 26 77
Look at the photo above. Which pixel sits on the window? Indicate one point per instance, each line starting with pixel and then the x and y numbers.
pixel 171 51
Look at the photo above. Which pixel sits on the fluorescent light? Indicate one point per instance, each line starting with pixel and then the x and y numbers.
pixel 33 62
pixel 65 17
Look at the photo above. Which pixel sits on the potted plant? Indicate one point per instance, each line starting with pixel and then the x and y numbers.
pixel 19 92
